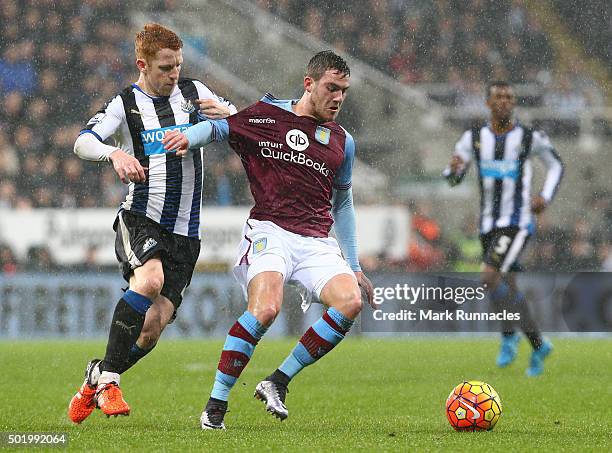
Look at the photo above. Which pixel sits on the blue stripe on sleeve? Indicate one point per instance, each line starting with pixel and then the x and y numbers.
pixel 89 131
pixel 344 225
pixel 206 132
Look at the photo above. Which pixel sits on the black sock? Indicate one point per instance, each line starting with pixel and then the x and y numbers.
pixel 535 338
pixel 499 304
pixel 136 353
pixel 279 377
pixel 527 322
pixel 214 402
pixel 124 331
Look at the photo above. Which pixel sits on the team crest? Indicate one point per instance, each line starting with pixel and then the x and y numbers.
pixel 322 135
pixel 187 106
pixel 260 245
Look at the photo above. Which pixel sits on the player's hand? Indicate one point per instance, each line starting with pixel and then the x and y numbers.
pixel 457 165
pixel 127 167
pixel 538 204
pixel 176 141
pixel 366 285
pixel 213 109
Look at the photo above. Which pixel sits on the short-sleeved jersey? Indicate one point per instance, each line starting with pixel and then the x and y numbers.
pixel 505 173
pixel 293 163
pixel 172 192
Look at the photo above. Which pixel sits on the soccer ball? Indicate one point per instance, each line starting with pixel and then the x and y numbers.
pixel 473 406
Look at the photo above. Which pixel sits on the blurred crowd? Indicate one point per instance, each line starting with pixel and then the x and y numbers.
pixel 61 60
pixel 451 49
pixel 591 22
pixel 430 41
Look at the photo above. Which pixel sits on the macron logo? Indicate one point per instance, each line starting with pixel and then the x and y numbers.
pixel 262 121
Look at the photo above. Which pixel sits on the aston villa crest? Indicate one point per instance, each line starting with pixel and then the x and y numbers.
pixel 187 106
pixel 322 135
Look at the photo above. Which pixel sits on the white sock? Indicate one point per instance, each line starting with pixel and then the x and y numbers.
pixel 107 377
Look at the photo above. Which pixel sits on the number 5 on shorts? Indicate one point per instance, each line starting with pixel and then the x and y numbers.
pixel 502 244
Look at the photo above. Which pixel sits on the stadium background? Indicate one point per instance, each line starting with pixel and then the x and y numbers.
pixel 419 69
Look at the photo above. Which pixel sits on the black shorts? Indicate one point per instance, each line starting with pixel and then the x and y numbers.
pixel 139 239
pixel 502 247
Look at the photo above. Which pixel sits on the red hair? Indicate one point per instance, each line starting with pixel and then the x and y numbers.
pixel 153 38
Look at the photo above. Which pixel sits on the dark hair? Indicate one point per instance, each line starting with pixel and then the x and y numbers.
pixel 324 61
pixel 498 84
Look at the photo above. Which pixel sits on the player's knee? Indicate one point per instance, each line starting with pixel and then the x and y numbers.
pixel 152 285
pixel 351 304
pixel 266 315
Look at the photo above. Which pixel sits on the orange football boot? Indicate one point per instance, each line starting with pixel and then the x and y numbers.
pixel 111 401
pixel 83 402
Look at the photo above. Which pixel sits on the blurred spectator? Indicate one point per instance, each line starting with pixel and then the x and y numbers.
pixel 39 259
pixel 415 40
pixel 59 61
pixel 567 103
pixel 17 73
pixel 8 263
pixel 9 160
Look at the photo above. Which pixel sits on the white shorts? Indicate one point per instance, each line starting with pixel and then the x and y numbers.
pixel 310 261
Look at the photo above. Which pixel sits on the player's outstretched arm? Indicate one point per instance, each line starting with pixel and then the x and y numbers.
pixel 343 213
pixel 196 136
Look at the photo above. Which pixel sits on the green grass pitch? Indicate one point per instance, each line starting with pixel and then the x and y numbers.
pixel 367 395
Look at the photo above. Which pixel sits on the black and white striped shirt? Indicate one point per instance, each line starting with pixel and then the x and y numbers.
pixel 505 173
pixel 172 192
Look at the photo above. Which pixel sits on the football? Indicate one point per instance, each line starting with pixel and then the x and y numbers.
pixel 473 406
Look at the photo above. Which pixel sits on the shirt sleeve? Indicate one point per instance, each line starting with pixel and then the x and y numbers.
pixel 542 147
pixel 90 144
pixel 107 120
pixel 344 175
pixel 463 148
pixel 205 93
pixel 343 213
pixel 207 132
